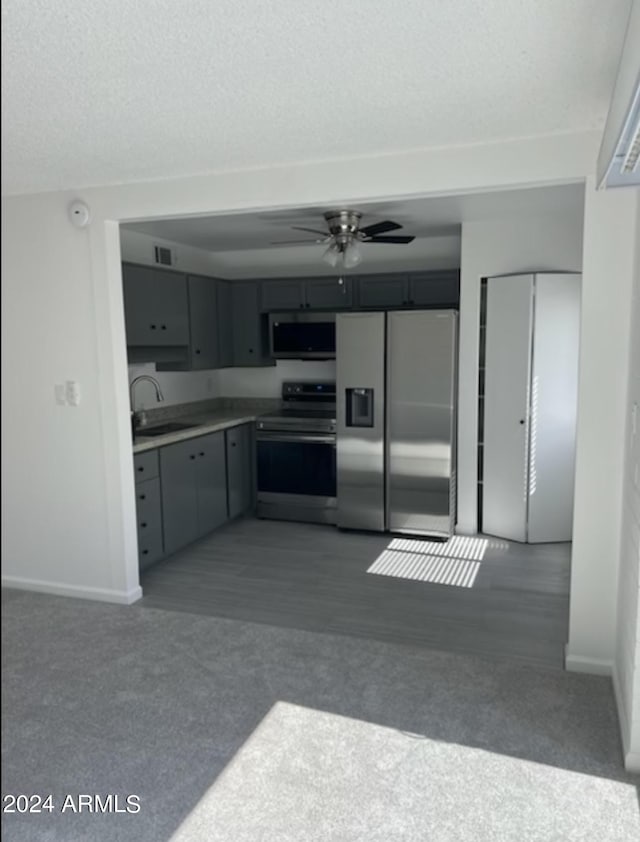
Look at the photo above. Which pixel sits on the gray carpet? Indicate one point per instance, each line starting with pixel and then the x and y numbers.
pixel 237 732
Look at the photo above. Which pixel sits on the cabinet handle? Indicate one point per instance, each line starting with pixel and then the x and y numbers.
pixel 233 444
pixel 164 327
pixel 143 497
pixel 145 552
pixel 192 456
pixel 153 327
pixel 141 469
pixel 201 454
pixel 522 420
pixel 307 305
pixel 197 350
pixel 143 526
pixel 251 350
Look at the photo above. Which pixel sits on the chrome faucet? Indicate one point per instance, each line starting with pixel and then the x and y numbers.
pixel 137 417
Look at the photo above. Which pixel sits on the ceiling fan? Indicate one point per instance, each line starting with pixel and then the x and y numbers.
pixel 345 236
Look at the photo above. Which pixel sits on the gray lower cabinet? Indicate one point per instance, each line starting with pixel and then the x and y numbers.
pixel 211 482
pixel 383 291
pixel 194 489
pixel 148 509
pixel 239 442
pixel 250 333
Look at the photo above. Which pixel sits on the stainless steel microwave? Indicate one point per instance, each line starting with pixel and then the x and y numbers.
pixel 302 336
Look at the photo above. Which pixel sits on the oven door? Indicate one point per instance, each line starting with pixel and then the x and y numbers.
pixel 297 476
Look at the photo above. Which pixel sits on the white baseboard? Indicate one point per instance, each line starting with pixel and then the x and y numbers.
pixel 632 762
pixel 593 666
pixel 98 594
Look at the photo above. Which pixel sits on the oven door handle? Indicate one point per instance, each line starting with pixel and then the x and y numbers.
pixel 305 438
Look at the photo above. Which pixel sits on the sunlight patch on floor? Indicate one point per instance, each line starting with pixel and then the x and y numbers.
pixel 307 774
pixel 426 568
pixel 457 547
pixel 455 562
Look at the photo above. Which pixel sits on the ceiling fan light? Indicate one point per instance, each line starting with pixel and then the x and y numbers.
pixel 352 255
pixel 331 255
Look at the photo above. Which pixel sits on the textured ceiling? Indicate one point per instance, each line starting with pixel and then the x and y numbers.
pixel 99 92
pixel 426 217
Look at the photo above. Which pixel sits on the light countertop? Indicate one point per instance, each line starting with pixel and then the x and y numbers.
pixel 208 422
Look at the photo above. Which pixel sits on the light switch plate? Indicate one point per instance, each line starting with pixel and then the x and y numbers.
pixel 60 392
pixel 73 392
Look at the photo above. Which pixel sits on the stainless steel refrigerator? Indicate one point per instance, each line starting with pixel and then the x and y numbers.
pixel 396 421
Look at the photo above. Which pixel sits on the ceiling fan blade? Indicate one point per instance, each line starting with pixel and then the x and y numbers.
pixel 311 230
pixel 293 242
pixel 390 240
pixel 379 228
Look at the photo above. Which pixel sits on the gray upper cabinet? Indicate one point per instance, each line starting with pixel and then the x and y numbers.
pixel 156 306
pixel 306 294
pixel 434 289
pixel 203 349
pixel 239 442
pixel 225 325
pixel 250 333
pixel 328 294
pixel 203 317
pixel 383 291
pixel 285 294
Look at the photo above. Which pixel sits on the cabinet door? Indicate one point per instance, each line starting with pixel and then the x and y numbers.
pixel 435 289
pixel 179 494
pixel 328 294
pixel 249 327
pixel 383 291
pixel 203 315
pixel 155 304
pixel 506 406
pixel 286 294
pixel 145 465
pixel 225 325
pixel 149 518
pixel 239 469
pixel 211 482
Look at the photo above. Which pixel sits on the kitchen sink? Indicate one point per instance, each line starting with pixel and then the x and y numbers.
pixel 164 429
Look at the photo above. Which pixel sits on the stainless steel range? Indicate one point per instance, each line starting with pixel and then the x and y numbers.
pixel 297 455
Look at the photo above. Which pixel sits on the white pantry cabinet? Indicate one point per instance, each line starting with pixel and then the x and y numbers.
pixel 530 404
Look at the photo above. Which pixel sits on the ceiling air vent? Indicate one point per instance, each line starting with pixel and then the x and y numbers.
pixel 163 255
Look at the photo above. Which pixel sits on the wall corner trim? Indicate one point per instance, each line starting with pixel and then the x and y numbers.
pixel 76 591
pixel 583 663
pixel 631 758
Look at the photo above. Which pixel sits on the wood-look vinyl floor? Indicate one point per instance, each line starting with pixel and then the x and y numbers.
pixel 315 578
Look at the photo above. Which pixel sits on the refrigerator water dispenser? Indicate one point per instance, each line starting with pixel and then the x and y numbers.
pixel 359 403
